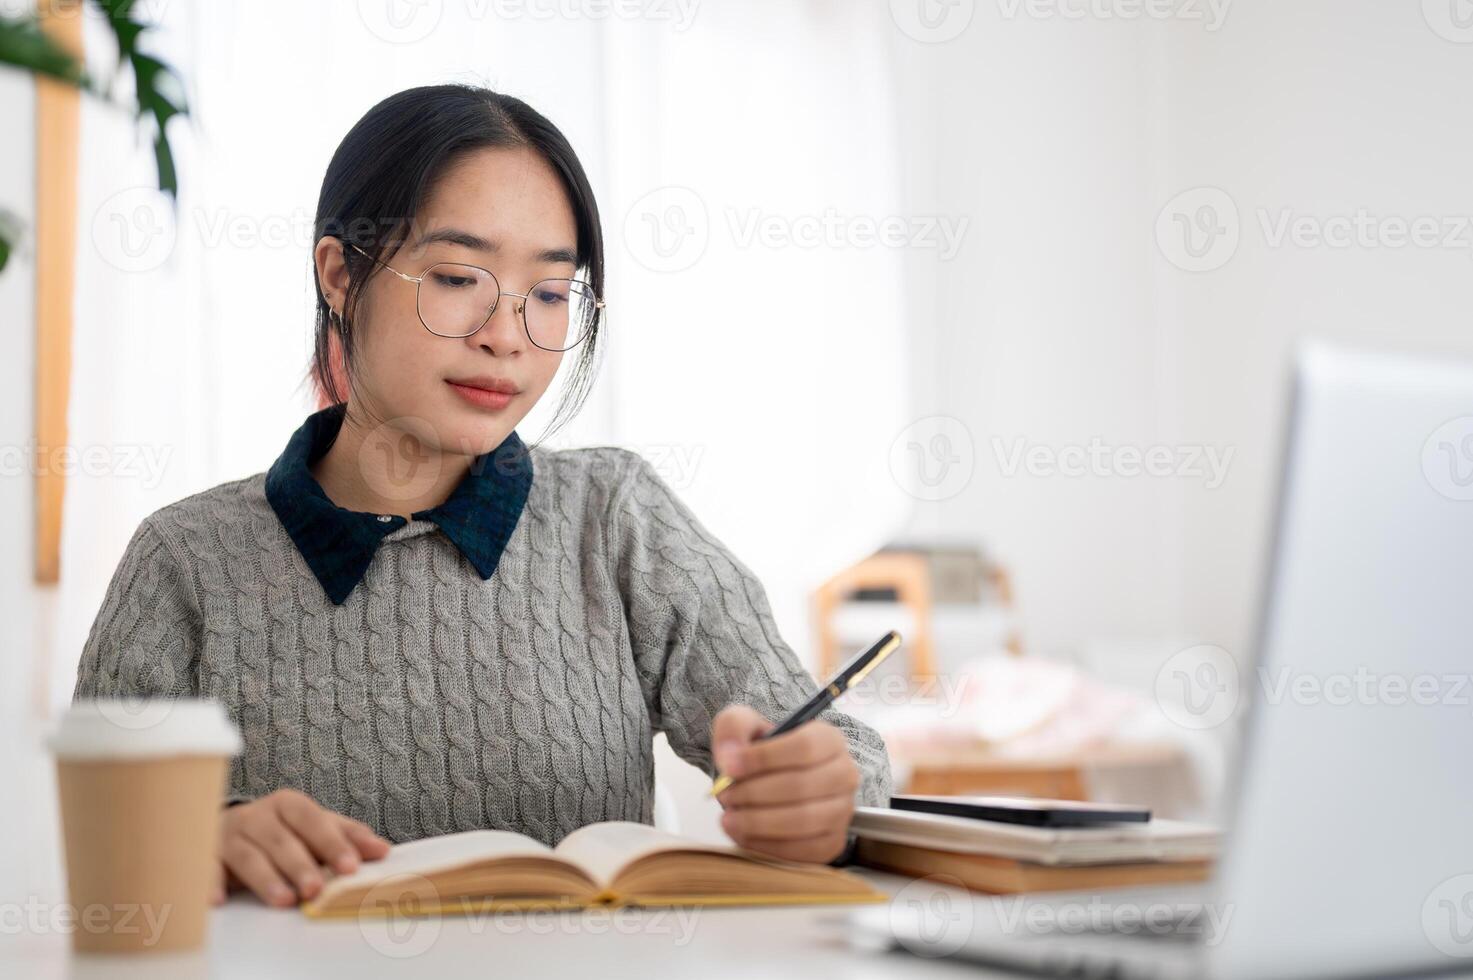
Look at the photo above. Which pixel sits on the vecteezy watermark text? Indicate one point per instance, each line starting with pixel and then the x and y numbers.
pixel 1202 687
pixel 669 229
pixel 1211 13
pixel 121 461
pixel 1200 229
pixel 122 918
pixel 1193 462
pixel 1206 923
pixel 831 229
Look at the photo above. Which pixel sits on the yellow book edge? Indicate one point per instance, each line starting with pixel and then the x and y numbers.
pixel 474 906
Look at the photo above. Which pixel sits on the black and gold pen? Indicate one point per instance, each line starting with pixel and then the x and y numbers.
pixel 850 674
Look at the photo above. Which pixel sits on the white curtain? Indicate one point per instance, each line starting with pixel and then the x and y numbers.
pixel 740 153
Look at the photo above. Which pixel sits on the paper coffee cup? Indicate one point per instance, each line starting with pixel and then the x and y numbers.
pixel 141 783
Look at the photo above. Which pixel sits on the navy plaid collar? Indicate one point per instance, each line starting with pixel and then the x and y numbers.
pixel 338 544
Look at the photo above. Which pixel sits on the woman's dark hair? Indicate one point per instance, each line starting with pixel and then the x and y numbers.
pixel 378 180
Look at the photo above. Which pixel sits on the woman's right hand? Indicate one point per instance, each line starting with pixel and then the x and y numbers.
pixel 274 847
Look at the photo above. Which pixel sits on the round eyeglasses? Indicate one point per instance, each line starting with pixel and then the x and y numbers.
pixel 455 300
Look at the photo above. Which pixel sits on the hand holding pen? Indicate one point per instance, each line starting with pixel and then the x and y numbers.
pixel 788 789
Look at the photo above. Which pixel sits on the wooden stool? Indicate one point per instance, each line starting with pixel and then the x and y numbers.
pixel 908 574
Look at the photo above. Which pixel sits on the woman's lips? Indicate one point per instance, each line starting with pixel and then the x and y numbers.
pixel 480 397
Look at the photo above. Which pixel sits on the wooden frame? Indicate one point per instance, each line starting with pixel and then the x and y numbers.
pixel 910 576
pixel 58 129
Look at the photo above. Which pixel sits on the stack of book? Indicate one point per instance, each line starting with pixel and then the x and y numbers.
pixel 1009 858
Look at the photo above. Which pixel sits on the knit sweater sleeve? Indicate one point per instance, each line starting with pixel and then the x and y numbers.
pixel 146 638
pixel 703 633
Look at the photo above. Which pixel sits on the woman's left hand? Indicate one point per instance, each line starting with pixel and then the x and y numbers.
pixel 792 794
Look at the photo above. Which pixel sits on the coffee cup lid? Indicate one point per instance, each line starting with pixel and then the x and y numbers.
pixel 117 728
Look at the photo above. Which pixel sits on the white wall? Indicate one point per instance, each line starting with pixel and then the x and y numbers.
pixel 19 598
pixel 24 607
pixel 1318 109
pixel 1064 319
pixel 1042 327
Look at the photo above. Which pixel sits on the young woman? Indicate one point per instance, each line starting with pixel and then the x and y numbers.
pixel 421 624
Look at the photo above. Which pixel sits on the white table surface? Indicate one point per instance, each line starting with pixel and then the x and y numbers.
pixel 248 939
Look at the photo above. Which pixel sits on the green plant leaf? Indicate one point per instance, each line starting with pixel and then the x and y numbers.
pixel 159 90
pixel 11 230
pixel 24 45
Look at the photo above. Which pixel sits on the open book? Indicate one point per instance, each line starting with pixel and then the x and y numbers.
pixel 614 863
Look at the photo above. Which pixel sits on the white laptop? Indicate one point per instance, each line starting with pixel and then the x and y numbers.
pixel 1349 851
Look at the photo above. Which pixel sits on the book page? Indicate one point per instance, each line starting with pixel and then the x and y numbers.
pixel 602 849
pixel 432 854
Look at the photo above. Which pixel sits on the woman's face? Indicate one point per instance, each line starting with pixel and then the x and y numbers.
pixel 505 210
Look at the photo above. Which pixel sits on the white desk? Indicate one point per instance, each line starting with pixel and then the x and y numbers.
pixel 249 940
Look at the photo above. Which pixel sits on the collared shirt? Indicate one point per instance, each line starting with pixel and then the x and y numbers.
pixel 339 544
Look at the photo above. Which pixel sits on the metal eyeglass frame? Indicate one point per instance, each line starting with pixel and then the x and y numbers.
pixel 521 308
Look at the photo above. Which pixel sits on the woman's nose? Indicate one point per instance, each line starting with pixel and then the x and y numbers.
pixel 502 332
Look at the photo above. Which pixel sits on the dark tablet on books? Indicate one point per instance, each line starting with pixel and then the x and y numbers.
pixel 1034 813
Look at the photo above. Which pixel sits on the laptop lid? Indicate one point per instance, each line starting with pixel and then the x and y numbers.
pixel 1351 848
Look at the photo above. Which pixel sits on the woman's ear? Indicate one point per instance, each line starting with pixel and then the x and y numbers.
pixel 332 270
pixel 332 278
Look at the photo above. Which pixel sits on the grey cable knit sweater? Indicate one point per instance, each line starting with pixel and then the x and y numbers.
pixel 433 701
